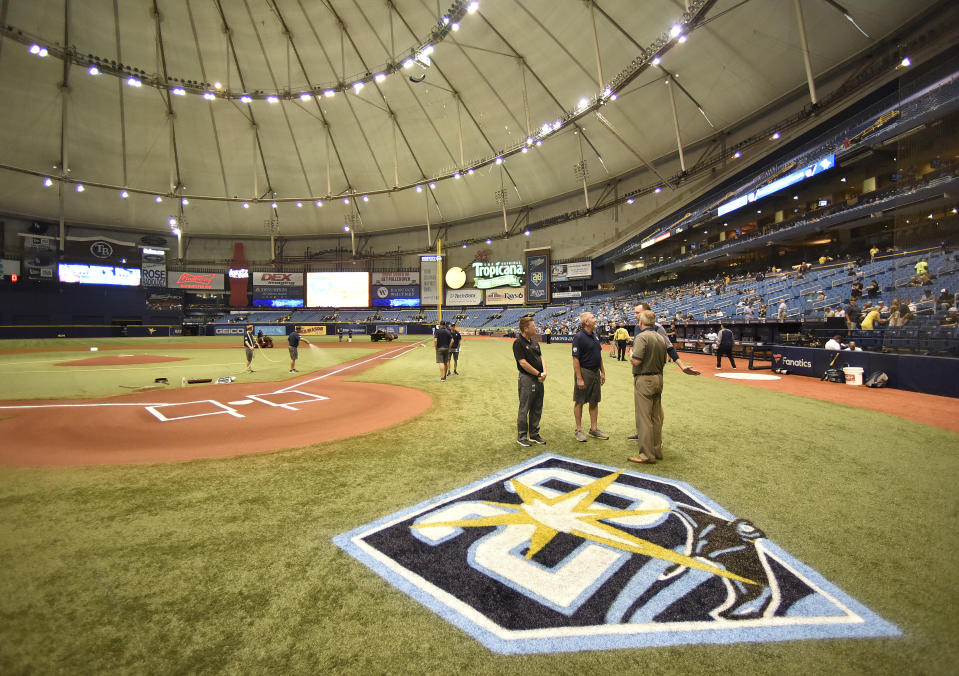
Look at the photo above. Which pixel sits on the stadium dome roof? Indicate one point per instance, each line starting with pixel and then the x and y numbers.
pixel 245 103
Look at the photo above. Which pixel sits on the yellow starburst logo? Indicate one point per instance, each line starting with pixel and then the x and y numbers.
pixel 574 513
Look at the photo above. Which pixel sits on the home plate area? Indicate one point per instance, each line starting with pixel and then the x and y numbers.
pixel 287 399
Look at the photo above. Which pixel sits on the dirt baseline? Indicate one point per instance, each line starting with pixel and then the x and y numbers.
pixel 120 360
pixel 213 421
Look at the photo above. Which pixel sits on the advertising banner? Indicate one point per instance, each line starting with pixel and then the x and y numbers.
pixel 212 281
pixel 312 331
pixel 537 275
pixel 281 279
pixel 231 330
pixel 9 267
pixel 81 273
pixel 270 330
pixel 563 272
pixel 278 293
pixel 391 328
pixel 153 268
pixel 492 275
pixel 395 279
pixel 567 294
pixel 464 297
pixel 430 279
pixel 505 296
pixel 39 257
pixel 101 251
pixel 382 293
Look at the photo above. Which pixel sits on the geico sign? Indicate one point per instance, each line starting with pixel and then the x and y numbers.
pixel 229 331
pixel 278 279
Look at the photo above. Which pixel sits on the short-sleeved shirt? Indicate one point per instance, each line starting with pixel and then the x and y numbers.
pixel 621 334
pixel 650 348
pixel 853 313
pixel 528 350
pixel 249 341
pixel 443 338
pixel 293 339
pixel 456 338
pixel 587 348
pixel 869 323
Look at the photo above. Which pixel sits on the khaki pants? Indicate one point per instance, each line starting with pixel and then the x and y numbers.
pixel 647 399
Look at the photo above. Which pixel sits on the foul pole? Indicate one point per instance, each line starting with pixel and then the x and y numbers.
pixel 439 281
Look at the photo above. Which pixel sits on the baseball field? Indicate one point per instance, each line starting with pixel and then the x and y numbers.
pixel 151 527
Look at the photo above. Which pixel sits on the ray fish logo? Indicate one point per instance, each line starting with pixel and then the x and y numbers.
pixel 562 555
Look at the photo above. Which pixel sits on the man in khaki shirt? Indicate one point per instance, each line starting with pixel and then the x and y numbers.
pixel 648 359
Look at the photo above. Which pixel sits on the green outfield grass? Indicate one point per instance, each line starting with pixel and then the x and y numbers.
pixel 227 565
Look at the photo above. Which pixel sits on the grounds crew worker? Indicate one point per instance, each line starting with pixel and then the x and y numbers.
pixel 249 343
pixel 532 374
pixel 648 359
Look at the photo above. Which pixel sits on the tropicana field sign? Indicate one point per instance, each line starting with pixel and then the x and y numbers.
pixel 492 275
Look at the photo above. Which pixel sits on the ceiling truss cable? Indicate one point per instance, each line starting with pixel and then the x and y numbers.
pixel 4 5
pixel 123 121
pixel 286 115
pixel 599 64
pixel 249 112
pixel 640 47
pixel 679 139
pixel 429 119
pixel 804 46
pixel 609 125
pixel 465 106
pixel 216 134
pixel 176 184
pixel 64 126
pixel 541 83
pixel 395 120
pixel 535 19
pixel 331 141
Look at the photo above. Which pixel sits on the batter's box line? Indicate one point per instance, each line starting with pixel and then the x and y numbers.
pixel 288 405
pixel 162 418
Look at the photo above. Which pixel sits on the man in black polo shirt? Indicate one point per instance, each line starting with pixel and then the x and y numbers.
pixel 441 340
pixel 589 376
pixel 532 374
pixel 457 337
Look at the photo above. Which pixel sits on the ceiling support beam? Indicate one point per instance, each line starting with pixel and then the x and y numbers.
pixel 122 106
pixel 599 63
pixel 176 182
pixel 679 139
pixel 805 52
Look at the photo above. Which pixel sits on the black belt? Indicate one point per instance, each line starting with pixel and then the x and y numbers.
pixel 657 373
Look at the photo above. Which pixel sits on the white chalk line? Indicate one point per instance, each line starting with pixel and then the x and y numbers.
pixel 403 349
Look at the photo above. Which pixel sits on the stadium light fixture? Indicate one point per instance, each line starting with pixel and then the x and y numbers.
pixel 245 99
pixel 379 77
pixel 464 245
pixel 319 203
pixel 737 155
pixel 157 199
pixel 357 86
pixel 658 189
pixel 172 222
pixel 499 160
pixel 526 232
pixel 457 175
pixel 682 39
pixel 209 96
pixel 455 26
pixel 272 99
pixel 273 205
pixel 329 93
pixel 774 137
pixel 305 96
pixel 657 60
pixel 583 104
pixel 246 205
pixel 906 62
pixel 93 70
pixel 176 231
pixel 630 200
pixel 408 63
pixel 419 188
pixel 472 7
pixel 178 91
pixel 432 185
pixel 299 204
pixel 34 48
pixel 133 82
pixel 524 150
pixel 80 187
pixel 124 194
pixel 47 182
pixel 346 200
pixel 366 198
pixel 675 30
pixel 539 142
pixel 346 228
pixel 469 172
pixel 218 85
pixel 489 241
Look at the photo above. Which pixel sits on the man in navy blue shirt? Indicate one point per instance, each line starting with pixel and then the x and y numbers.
pixel 589 376
pixel 294 340
pixel 454 350
pixel 441 341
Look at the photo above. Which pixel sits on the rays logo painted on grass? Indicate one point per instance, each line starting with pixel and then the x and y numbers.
pixel 559 554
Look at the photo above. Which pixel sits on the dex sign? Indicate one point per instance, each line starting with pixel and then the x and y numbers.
pixel 491 275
